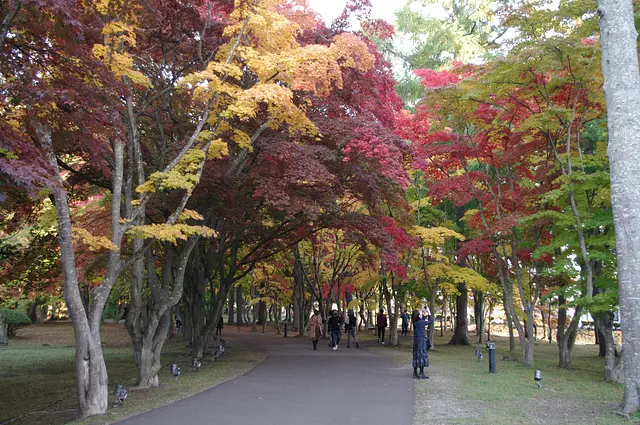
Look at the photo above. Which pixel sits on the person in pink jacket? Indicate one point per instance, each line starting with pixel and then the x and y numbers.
pixel 315 328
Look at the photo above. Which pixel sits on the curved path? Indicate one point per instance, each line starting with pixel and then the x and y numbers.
pixel 296 385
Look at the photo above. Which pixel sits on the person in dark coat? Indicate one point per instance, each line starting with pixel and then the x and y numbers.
pixel 405 323
pixel 382 324
pixel 220 326
pixel 420 344
pixel 333 324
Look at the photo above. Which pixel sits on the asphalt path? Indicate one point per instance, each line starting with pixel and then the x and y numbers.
pixel 296 385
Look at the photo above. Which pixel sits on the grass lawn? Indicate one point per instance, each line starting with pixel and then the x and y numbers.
pixel 461 391
pixel 37 377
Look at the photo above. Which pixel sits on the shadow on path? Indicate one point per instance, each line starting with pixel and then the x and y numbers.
pixel 298 386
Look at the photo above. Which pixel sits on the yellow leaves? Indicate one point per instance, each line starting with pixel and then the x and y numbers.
pixel 189 215
pixel 280 107
pixel 352 52
pixel 434 236
pixel 218 149
pixel 121 65
pixel 120 32
pixel 449 273
pixel 171 232
pixel 185 175
pixel 92 242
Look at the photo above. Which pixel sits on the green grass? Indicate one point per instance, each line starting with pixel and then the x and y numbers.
pixel 461 391
pixel 37 382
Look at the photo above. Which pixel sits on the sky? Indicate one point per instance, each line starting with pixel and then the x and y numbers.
pixel 382 9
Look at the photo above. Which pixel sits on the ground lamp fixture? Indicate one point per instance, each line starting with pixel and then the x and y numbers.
pixel 537 376
pixel 120 393
pixel 479 354
pixel 196 364
pixel 175 370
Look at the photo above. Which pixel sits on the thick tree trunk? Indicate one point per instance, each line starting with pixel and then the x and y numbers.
pixel 622 93
pixel 461 330
pixel 262 313
pixel 149 318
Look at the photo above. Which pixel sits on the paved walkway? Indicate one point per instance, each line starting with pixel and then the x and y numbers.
pixel 298 386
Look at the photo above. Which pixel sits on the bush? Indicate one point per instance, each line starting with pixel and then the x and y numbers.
pixel 14 319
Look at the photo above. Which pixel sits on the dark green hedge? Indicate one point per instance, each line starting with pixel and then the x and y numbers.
pixel 14 319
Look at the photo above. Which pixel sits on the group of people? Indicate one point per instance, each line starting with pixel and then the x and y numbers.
pixel 419 319
pixel 334 326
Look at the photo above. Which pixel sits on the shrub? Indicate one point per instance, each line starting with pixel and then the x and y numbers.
pixel 14 319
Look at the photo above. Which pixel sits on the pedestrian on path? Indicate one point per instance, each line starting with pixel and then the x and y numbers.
pixel 352 323
pixel 405 323
pixel 220 326
pixel 315 328
pixel 382 324
pixel 421 343
pixel 334 329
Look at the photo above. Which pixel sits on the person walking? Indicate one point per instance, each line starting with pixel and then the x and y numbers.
pixel 405 323
pixel 421 343
pixel 220 326
pixel 382 324
pixel 315 328
pixel 334 329
pixel 352 323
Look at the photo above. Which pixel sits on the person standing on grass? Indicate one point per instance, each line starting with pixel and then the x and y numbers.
pixel 421 343
pixel 352 323
pixel 334 329
pixel 405 323
pixel 315 328
pixel 382 324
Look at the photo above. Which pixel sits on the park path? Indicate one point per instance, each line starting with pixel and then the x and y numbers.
pixel 298 386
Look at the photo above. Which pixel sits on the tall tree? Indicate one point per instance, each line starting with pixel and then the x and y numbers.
pixel 618 36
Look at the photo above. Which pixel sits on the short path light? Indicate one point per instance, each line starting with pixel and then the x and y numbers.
pixel 479 354
pixel 120 393
pixel 537 376
pixel 175 371
pixel 196 364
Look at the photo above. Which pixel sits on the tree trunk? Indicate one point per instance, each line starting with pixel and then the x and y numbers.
pixel 240 301
pixel 566 335
pixel 512 339
pixel 262 313
pixel 91 371
pixel 604 325
pixel 478 312
pixel 461 332
pixel 622 93
pixel 149 318
pixel 232 313
pixel 4 331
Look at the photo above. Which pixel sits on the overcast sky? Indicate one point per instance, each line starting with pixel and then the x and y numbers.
pixel 330 9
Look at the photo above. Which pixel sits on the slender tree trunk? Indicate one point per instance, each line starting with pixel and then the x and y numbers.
pixel 232 301
pixel 4 331
pixel 604 325
pixel 566 335
pixel 622 93
pixel 240 300
pixel 91 371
